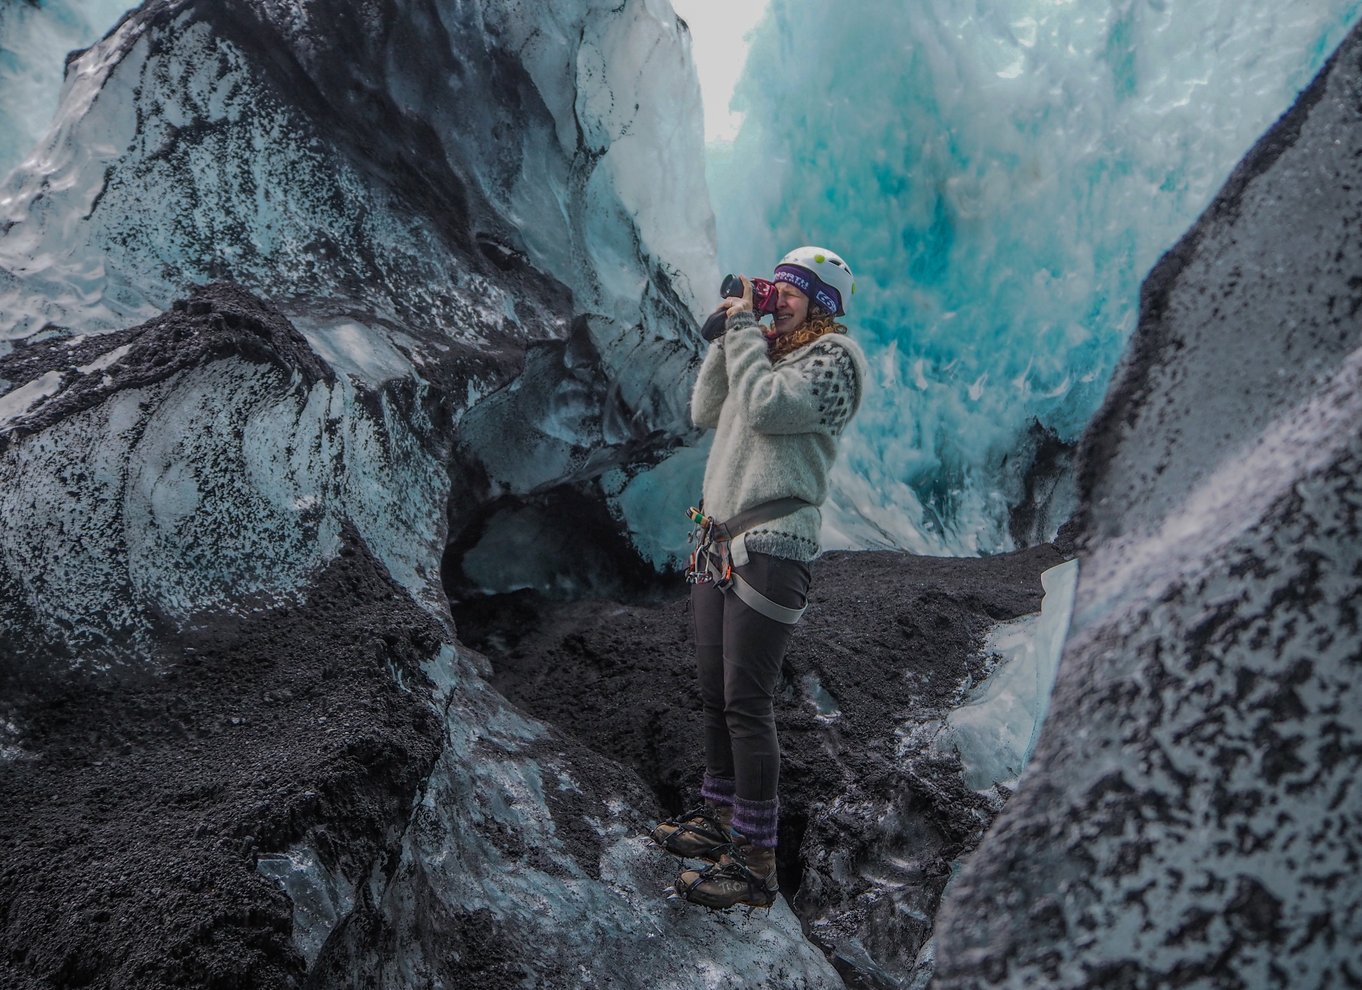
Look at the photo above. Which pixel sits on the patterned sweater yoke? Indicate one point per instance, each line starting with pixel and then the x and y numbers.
pixel 777 428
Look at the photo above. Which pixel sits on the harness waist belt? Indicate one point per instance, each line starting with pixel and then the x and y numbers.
pixel 763 513
pixel 711 561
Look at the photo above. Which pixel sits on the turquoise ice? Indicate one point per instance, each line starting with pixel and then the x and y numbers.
pixel 1001 174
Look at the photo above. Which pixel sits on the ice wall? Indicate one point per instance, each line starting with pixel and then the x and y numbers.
pixel 35 39
pixel 1000 177
pixel 1189 817
pixel 421 171
pixel 428 191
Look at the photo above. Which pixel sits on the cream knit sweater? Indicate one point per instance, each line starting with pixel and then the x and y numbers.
pixel 776 427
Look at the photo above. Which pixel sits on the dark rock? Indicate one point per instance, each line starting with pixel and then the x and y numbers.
pixel 130 851
pixel 1047 487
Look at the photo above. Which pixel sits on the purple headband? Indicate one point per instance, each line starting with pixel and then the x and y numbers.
pixel 811 285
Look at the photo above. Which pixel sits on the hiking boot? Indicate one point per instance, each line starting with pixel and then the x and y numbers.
pixel 743 876
pixel 700 834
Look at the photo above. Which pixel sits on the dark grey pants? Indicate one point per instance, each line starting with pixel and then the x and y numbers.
pixel 739 652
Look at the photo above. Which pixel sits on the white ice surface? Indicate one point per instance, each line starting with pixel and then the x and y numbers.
pixel 995 731
pixel 17 402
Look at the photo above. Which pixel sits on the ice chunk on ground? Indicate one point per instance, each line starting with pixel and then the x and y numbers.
pixel 17 403
pixel 995 731
pixel 321 899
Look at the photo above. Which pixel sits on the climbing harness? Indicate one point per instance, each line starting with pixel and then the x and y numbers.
pixel 712 560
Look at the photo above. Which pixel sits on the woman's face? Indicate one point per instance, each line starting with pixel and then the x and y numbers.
pixel 792 308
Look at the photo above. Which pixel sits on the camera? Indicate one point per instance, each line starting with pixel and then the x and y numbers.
pixel 764 297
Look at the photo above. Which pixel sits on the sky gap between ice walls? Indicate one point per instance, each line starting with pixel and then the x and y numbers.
pixel 1000 176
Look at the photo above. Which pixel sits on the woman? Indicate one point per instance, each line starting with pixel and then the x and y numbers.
pixel 778 400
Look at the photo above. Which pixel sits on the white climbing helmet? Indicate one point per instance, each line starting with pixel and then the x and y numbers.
pixel 832 285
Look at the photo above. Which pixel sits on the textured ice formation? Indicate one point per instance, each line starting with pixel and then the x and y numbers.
pixel 1000 175
pixel 275 191
pixel 1190 813
pixel 190 465
pixel 425 192
pixel 995 731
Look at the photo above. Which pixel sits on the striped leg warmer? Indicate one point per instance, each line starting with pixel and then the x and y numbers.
pixel 757 820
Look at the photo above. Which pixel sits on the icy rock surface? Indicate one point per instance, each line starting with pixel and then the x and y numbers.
pixel 1190 814
pixel 205 462
pixel 424 189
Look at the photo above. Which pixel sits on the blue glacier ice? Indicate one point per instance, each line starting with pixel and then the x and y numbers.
pixel 1001 176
